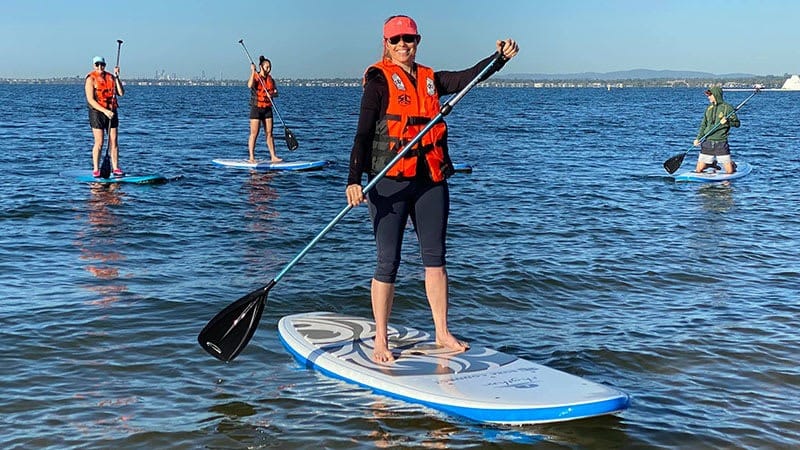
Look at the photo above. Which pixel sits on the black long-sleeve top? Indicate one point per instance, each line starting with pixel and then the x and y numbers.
pixel 375 101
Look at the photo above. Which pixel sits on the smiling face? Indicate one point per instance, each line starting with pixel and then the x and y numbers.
pixel 266 67
pixel 402 50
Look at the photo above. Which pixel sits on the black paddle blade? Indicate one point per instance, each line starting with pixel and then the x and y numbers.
pixel 227 334
pixel 105 167
pixel 673 164
pixel 291 141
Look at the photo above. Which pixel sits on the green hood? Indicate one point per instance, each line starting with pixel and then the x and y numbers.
pixel 714 114
pixel 716 91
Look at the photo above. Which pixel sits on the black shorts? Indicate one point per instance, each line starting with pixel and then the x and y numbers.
pixel 100 121
pixel 716 148
pixel 257 113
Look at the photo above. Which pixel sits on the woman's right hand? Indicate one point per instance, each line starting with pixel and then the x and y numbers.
pixel 355 195
pixel 109 113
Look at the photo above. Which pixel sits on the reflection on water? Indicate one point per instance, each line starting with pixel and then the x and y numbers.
pixel 435 430
pixel 261 216
pixel 98 245
pixel 682 295
pixel 234 409
pixel 261 197
pixel 716 197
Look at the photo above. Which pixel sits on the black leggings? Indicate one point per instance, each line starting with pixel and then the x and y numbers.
pixel 391 203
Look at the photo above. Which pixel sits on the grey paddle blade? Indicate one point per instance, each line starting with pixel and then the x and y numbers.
pixel 291 141
pixel 105 167
pixel 227 334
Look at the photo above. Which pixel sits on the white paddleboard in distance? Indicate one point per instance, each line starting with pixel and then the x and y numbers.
pixel 742 170
pixel 480 384
pixel 267 165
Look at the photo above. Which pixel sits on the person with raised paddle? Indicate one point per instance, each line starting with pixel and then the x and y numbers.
pixel 101 89
pixel 228 332
pixel 401 97
pixel 262 89
pixel 717 121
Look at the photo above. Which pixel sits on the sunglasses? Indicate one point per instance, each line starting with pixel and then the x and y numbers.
pixel 407 38
pixel 99 64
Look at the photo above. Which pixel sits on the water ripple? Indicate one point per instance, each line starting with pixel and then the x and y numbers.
pixel 568 245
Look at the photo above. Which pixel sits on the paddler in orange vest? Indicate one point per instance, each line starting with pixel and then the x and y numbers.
pixel 399 99
pixel 262 88
pixel 100 88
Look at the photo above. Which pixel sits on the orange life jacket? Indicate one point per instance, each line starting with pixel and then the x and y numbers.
pixel 410 108
pixel 104 89
pixel 258 96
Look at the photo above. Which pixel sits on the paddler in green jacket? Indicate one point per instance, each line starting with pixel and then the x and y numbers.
pixel 715 147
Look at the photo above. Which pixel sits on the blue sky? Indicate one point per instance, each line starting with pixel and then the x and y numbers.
pixel 310 39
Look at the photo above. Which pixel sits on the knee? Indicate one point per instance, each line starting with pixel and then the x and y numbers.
pixel 433 259
pixel 386 272
pixel 435 272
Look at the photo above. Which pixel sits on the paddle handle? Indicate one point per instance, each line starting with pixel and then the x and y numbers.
pixel 119 46
pixel 444 110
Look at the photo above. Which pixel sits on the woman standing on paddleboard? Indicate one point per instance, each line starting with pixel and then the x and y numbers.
pixel 100 90
pixel 400 97
pixel 262 89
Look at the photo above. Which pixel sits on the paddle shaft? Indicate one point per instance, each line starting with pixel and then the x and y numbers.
pixel 105 169
pixel 116 78
pixel 263 85
pixel 119 46
pixel 445 110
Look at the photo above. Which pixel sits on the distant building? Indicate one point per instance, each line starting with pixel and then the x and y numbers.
pixel 792 83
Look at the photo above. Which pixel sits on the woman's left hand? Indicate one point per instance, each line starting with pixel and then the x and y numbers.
pixel 355 195
pixel 508 48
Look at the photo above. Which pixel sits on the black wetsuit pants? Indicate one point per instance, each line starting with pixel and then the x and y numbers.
pixel 391 203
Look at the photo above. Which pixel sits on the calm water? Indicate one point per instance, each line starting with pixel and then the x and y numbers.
pixel 568 246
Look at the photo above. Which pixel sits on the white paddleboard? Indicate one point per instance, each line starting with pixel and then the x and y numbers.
pixel 480 384
pixel 267 165
pixel 712 176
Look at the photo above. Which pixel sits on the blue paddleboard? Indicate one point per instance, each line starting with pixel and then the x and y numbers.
pixel 480 384
pixel 462 167
pixel 85 176
pixel 266 165
pixel 714 176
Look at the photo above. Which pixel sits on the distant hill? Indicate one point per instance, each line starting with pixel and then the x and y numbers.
pixel 634 74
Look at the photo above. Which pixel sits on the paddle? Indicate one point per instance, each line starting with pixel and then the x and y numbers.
pixel 105 167
pixel 291 141
pixel 673 164
pixel 226 335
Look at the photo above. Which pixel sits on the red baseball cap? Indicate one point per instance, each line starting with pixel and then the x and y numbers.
pixel 399 25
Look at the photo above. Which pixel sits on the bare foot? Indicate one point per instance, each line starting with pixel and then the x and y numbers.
pixel 381 354
pixel 451 343
pixel 277 160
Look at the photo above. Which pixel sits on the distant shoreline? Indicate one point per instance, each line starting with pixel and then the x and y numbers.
pixel 765 82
